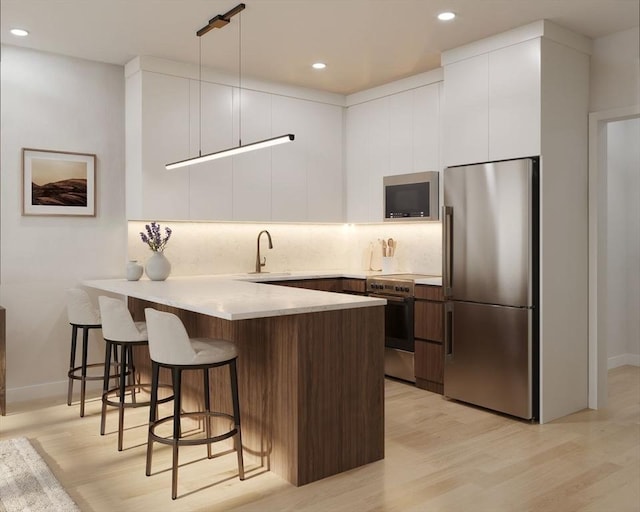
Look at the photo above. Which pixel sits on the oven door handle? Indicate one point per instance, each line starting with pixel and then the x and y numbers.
pixel 390 298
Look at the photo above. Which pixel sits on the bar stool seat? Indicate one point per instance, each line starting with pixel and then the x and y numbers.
pixel 84 316
pixel 170 347
pixel 121 332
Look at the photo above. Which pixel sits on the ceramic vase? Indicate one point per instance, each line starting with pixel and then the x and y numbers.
pixel 134 270
pixel 158 267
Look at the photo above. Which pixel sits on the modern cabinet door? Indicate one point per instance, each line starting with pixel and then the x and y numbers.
pixel 252 171
pixel 357 160
pixel 466 111
pixel 165 138
pixel 211 183
pixel 289 162
pixel 306 175
pixel 426 128
pixel 514 101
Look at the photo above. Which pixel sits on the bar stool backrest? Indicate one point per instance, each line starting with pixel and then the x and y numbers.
pixel 80 310
pixel 168 339
pixel 117 323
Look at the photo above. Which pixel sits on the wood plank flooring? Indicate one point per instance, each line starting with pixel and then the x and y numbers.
pixel 440 456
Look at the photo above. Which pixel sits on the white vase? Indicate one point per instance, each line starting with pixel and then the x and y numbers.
pixel 158 267
pixel 134 270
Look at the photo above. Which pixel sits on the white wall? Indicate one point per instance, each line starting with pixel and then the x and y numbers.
pixel 623 242
pixel 615 71
pixel 56 103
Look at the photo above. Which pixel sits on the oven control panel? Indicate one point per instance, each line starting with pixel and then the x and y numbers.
pixel 390 287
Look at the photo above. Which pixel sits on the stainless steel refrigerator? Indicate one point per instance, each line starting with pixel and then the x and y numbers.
pixel 490 279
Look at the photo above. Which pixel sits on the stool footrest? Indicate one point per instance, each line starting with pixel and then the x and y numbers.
pixel 190 442
pixel 72 373
pixel 108 396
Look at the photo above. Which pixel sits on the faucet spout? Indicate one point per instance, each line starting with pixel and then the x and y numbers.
pixel 262 262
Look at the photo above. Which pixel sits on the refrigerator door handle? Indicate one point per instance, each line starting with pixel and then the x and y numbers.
pixel 447 238
pixel 448 330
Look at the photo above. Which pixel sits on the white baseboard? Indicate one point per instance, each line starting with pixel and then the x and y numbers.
pixel 623 360
pixel 56 391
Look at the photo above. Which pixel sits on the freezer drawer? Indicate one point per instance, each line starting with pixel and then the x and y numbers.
pixel 488 357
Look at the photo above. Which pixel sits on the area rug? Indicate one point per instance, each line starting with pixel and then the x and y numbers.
pixel 26 483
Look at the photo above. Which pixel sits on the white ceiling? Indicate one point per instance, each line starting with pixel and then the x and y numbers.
pixel 364 42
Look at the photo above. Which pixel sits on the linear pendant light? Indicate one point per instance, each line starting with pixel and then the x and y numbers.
pixel 233 151
pixel 220 21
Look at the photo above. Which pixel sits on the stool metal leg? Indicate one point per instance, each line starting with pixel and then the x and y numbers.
pixel 236 414
pixel 153 411
pixel 123 380
pixel 207 408
pixel 105 382
pixel 132 374
pixel 83 382
pixel 72 361
pixel 177 381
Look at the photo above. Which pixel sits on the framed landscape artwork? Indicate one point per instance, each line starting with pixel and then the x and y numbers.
pixel 58 183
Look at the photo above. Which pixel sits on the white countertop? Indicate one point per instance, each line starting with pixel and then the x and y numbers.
pixel 234 297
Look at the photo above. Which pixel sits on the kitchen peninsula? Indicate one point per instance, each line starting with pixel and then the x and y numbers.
pixel 310 366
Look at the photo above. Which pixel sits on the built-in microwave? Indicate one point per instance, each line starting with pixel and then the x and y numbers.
pixel 411 196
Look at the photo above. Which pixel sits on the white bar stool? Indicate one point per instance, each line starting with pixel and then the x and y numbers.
pixel 120 331
pixel 82 314
pixel 170 347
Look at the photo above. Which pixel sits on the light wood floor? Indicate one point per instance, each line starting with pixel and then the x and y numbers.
pixel 440 456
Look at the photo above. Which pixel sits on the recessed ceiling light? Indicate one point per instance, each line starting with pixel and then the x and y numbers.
pixel 319 65
pixel 446 16
pixel 20 32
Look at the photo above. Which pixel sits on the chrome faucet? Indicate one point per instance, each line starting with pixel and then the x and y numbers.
pixel 259 263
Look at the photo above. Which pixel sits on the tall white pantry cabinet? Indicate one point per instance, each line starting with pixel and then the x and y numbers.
pixel 171 116
pixel 525 93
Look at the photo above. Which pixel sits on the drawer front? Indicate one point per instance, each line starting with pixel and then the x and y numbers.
pixel 429 320
pixel 429 292
pixel 353 285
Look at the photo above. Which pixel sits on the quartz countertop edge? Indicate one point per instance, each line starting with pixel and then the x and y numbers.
pixel 232 298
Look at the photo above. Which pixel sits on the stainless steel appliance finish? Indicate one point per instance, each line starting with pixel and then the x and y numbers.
pixel 490 279
pixel 412 196
pixel 399 290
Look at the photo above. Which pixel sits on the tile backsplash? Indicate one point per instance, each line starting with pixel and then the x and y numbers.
pixel 230 247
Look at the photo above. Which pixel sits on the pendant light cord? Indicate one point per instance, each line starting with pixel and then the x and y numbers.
pixel 200 98
pixel 240 80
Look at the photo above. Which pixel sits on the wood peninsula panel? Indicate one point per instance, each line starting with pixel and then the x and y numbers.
pixel 311 387
pixel 3 361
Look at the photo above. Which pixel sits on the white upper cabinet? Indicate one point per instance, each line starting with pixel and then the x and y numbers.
pixel 306 181
pixel 466 111
pixel 391 135
pixel 211 183
pixel 252 171
pixel 514 101
pixel 164 139
pixel 171 118
pixel 492 105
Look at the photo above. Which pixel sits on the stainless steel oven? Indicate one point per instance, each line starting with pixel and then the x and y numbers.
pixel 399 291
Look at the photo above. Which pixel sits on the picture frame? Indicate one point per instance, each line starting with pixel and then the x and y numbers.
pixel 58 183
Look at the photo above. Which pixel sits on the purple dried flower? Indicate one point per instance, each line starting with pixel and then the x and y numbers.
pixel 153 238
